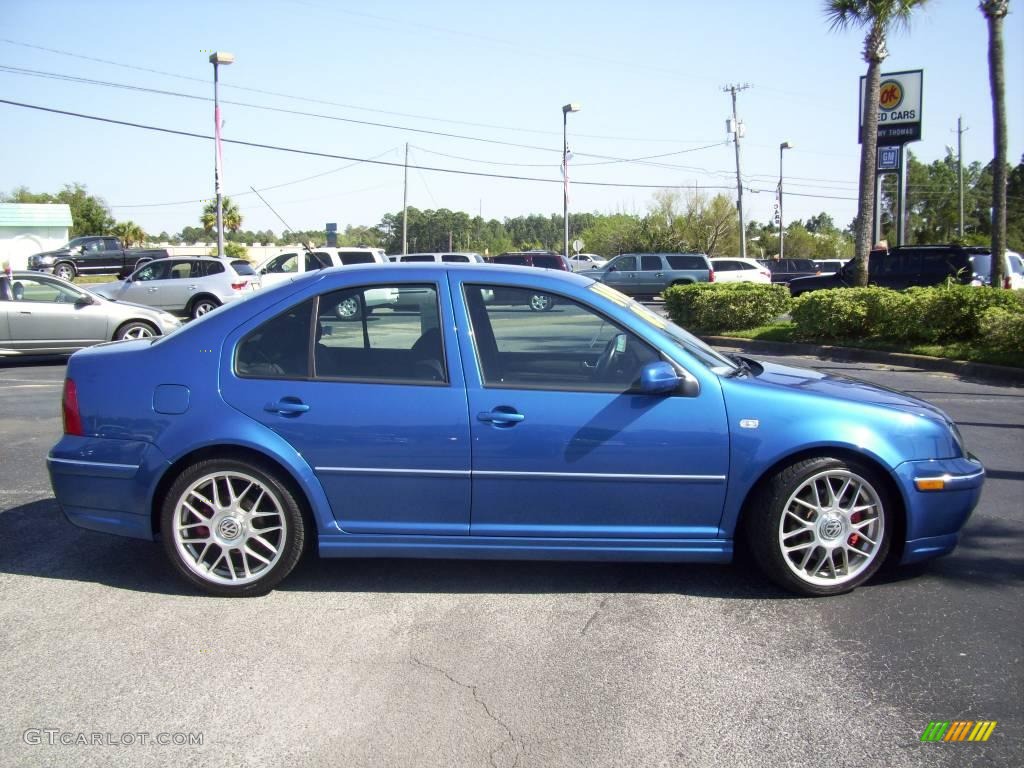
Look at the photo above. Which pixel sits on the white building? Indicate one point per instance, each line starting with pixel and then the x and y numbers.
pixel 28 228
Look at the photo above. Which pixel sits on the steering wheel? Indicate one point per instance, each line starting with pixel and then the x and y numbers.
pixel 609 356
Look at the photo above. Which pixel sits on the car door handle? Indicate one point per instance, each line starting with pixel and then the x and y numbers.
pixel 501 416
pixel 151 290
pixel 287 406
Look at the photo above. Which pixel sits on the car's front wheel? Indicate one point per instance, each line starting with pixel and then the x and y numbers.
pixel 821 526
pixel 65 271
pixel 231 528
pixel 134 330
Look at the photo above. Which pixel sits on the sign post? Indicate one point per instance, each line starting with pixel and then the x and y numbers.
pixel 899 123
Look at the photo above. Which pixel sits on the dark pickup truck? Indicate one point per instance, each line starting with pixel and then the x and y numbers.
pixel 93 256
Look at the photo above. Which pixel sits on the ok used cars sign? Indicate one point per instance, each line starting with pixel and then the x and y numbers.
pixel 899 107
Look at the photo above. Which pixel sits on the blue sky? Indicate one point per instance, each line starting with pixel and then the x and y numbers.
pixel 648 75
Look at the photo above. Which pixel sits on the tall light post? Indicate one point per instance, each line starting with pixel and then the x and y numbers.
pixel 565 169
pixel 218 58
pixel 782 233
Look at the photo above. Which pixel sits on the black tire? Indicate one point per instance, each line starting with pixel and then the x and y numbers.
pixel 136 329
pixel 65 270
pixel 201 305
pixel 239 553
pixel 840 542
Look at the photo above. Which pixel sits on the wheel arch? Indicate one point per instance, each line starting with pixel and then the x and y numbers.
pixel 65 263
pixel 892 488
pixel 241 453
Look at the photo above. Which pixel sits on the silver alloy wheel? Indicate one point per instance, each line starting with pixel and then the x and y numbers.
pixel 229 528
pixel 202 307
pixel 831 528
pixel 139 331
pixel 540 302
pixel 348 309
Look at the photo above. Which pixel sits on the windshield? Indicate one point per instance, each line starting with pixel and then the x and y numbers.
pixel 682 338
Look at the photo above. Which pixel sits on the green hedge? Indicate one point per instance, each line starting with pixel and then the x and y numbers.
pixel 710 307
pixel 938 314
pixel 1003 329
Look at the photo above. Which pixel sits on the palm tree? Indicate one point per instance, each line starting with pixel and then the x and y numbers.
pixel 878 16
pixel 995 11
pixel 232 216
pixel 130 233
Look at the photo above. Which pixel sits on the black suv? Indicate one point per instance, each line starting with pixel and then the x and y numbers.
pixel 907 266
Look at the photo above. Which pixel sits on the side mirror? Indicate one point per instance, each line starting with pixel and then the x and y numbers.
pixel 659 378
pixel 84 301
pixel 76 249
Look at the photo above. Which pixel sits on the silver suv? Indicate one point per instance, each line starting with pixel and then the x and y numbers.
pixel 184 285
pixel 648 274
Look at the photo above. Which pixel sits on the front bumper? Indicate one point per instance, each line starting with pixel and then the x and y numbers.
pixel 935 517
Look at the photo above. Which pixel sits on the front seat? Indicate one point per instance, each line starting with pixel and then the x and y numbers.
pixel 427 355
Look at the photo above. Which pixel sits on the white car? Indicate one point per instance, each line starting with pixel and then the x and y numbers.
pixel 582 261
pixel 737 270
pixel 452 257
pixel 284 266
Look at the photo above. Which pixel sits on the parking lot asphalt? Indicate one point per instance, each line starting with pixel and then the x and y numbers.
pixel 395 663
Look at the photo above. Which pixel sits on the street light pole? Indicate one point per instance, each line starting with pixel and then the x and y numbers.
pixel 782 232
pixel 565 169
pixel 216 59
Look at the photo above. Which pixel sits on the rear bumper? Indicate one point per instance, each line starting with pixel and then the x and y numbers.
pixel 104 484
pixel 935 518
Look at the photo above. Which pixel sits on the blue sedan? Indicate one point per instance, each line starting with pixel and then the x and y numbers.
pixel 443 423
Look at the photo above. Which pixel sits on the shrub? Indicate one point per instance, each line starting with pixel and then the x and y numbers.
pixel 232 251
pixel 1003 329
pixel 946 313
pixel 726 306
pixel 830 314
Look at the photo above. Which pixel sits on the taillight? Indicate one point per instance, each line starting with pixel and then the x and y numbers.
pixel 766 273
pixel 239 286
pixel 72 416
pixel 1006 282
pixel 711 276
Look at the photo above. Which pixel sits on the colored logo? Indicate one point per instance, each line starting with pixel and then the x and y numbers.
pixel 958 730
pixel 890 94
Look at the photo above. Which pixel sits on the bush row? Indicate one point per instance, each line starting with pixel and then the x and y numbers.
pixel 713 307
pixel 938 314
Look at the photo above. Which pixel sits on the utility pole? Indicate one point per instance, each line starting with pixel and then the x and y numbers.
pixel 736 128
pixel 960 130
pixel 405 204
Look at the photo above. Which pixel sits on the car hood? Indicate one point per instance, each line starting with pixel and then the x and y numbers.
pixel 845 388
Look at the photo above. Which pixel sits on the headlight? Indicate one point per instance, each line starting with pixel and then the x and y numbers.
pixel 46 260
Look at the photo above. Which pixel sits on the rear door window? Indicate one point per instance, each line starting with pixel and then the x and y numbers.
pixel 356 258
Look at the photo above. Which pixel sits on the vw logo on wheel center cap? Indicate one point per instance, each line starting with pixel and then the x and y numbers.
pixel 831 528
pixel 229 528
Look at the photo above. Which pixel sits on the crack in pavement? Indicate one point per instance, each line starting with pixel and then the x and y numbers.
pixel 594 615
pixel 483 704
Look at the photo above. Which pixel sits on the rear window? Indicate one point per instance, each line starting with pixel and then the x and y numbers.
pixel 356 258
pixel 686 262
pixel 420 257
pixel 243 267
pixel 548 262
pixel 521 260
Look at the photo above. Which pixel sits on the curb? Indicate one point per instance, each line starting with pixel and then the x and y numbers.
pixel 980 372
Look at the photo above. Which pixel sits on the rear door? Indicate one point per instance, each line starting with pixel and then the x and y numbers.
pixel 376 405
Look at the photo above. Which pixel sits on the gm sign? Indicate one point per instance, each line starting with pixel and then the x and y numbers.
pixel 899 107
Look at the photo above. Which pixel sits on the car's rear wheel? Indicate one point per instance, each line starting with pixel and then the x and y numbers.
pixel 821 526
pixel 541 302
pixel 135 330
pixel 65 271
pixel 231 528
pixel 203 305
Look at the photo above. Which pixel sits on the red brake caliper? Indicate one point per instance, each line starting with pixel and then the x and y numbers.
pixel 854 537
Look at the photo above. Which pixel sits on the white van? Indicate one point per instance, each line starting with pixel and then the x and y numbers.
pixel 285 265
pixel 463 257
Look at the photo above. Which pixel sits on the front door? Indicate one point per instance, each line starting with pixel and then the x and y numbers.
pixel 374 403
pixel 564 446
pixel 621 274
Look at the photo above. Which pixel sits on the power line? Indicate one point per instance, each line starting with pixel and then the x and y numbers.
pixel 327 102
